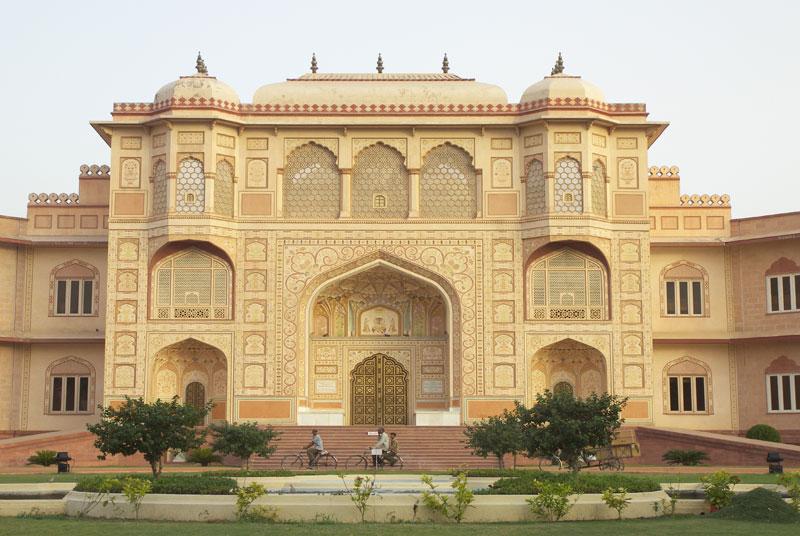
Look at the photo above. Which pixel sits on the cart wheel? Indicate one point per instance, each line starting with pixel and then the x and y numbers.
pixel 327 462
pixel 553 461
pixel 292 462
pixel 356 461
pixel 620 464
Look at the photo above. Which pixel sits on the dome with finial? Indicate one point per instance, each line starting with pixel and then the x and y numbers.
pixel 197 88
pixel 562 86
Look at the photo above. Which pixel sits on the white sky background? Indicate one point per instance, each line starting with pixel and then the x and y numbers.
pixel 725 74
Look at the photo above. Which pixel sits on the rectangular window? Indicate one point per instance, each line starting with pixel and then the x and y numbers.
pixel 70 394
pixel 784 293
pixel 783 392
pixel 684 298
pixel 74 297
pixel 687 394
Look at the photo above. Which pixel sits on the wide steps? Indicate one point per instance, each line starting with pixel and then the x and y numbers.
pixel 422 447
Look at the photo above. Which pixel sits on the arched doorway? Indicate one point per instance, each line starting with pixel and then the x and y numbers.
pixel 568 365
pixel 379 392
pixel 194 371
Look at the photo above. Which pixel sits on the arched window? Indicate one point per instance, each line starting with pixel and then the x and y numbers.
pixel 783 386
pixel 223 189
pixel 192 285
pixel 568 186
pixel 69 386
pixel 74 289
pixel 160 201
pixel 684 290
pixel 687 386
pixel 190 187
pixel 535 191
pixel 379 169
pixel 447 184
pixel 311 183
pixel 599 188
pixel 783 286
pixel 567 285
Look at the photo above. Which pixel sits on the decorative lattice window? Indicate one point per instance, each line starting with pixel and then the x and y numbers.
pixel 192 285
pixel 687 386
pixel 311 185
pixel 380 170
pixel 190 188
pixel 535 190
pixel 447 184
pixel 568 187
pixel 160 201
pixel 567 285
pixel 599 189
pixel 223 189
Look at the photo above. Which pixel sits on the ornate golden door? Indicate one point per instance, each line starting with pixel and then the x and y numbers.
pixel 379 392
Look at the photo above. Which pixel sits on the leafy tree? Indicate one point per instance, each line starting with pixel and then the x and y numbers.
pixel 149 428
pixel 565 425
pixel 498 435
pixel 244 440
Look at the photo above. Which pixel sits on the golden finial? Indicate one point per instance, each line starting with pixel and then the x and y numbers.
pixel 201 65
pixel 380 63
pixel 313 62
pixel 559 67
pixel 445 64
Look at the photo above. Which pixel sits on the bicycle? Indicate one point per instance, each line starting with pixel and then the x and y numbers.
pixel 360 461
pixel 299 461
pixel 550 461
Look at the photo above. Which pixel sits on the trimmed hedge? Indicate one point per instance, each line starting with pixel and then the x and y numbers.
pixel 582 483
pixel 763 432
pixel 181 485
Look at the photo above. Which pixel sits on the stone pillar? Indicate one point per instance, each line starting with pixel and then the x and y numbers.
pixel 413 194
pixel 479 193
pixel 347 188
pixel 587 192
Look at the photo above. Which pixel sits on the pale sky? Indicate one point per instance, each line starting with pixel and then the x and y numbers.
pixel 725 74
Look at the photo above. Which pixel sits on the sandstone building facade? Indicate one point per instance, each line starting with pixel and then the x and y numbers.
pixel 394 249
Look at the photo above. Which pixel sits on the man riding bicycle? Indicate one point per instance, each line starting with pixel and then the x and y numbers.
pixel 314 449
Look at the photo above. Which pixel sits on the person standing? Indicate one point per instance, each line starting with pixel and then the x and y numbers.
pixel 379 447
pixel 314 449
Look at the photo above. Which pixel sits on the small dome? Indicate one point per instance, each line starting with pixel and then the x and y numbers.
pixel 562 86
pixel 197 86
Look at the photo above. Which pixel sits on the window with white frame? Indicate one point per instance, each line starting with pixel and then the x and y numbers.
pixel 783 392
pixel 783 293
pixel 74 297
pixel 683 297
pixel 687 394
pixel 69 394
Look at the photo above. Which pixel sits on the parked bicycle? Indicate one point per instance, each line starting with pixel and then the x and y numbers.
pixel 600 458
pixel 360 461
pixel 297 462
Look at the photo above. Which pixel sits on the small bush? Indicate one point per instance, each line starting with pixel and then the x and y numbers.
pixel 181 485
pixel 791 481
pixel 43 457
pixel 452 510
pixel 718 488
pixel 552 502
pixel 530 483
pixel 245 511
pixel 760 505
pixel 685 457
pixel 204 457
pixel 764 432
pixel 616 500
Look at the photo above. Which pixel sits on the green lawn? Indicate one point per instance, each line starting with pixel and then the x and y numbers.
pixel 764 478
pixel 684 526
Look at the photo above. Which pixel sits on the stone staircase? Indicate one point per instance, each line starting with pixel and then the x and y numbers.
pixel 422 447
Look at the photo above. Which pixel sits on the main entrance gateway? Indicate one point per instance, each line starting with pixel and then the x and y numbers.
pixel 379 392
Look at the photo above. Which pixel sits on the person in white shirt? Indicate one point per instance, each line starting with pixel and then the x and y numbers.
pixel 314 449
pixel 382 444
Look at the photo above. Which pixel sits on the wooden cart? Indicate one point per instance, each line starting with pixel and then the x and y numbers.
pixel 612 457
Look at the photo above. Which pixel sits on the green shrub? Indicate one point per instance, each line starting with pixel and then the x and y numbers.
pixel 616 500
pixel 441 503
pixel 764 432
pixel 791 481
pixel 761 505
pixel 175 484
pixel 530 483
pixel 474 473
pixel 43 457
pixel 718 488
pixel 245 511
pixel 685 457
pixel 204 457
pixel 552 502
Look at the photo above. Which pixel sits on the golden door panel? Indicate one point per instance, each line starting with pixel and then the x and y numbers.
pixel 379 392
